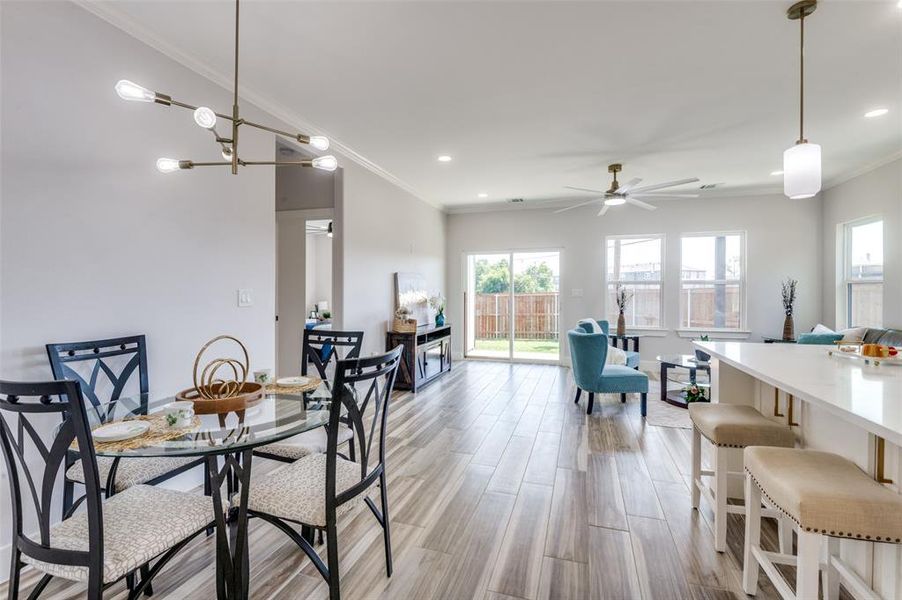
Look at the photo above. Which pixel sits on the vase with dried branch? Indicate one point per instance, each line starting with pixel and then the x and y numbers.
pixel 789 299
pixel 622 296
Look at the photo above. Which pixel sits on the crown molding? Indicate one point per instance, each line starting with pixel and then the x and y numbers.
pixel 107 12
pixel 864 170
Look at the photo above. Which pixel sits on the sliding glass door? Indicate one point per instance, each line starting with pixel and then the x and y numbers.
pixel 513 306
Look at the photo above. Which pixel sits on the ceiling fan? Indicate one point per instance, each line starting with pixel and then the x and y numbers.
pixel 320 229
pixel 628 193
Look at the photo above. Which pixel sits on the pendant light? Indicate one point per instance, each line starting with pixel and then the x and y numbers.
pixel 206 119
pixel 802 162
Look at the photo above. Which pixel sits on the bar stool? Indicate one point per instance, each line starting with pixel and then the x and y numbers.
pixel 729 427
pixel 829 498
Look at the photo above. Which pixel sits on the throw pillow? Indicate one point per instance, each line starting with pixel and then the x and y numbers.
pixel 853 334
pixel 821 329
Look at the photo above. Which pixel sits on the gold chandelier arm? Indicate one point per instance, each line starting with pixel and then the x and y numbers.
pixel 282 163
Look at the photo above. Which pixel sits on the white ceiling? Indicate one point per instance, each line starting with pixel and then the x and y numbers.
pixel 531 96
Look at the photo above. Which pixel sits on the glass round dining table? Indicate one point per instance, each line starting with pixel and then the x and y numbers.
pixel 226 442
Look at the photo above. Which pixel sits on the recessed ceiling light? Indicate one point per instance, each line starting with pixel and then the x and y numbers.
pixel 776 172
pixel 444 158
pixel 877 112
pixel 482 195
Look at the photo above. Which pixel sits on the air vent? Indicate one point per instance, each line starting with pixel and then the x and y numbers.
pixel 709 186
pixel 516 200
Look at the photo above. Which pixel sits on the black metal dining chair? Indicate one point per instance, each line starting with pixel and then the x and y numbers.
pixel 316 490
pixel 323 348
pixel 109 540
pixel 107 369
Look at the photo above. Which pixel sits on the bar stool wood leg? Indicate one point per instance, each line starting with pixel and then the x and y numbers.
pixel 752 536
pixel 784 535
pixel 696 465
pixel 831 573
pixel 808 570
pixel 721 467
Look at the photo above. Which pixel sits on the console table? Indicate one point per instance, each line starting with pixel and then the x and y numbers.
pixel 426 355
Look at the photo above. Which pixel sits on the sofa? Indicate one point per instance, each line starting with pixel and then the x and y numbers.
pixel 872 335
pixel 632 357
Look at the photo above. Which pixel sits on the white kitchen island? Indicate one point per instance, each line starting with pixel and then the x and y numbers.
pixel 836 404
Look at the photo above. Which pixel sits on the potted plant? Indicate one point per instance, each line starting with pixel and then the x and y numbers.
pixel 622 297
pixel 694 393
pixel 789 299
pixel 437 303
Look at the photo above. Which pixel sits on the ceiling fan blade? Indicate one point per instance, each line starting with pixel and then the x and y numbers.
pixel 603 210
pixel 662 195
pixel 628 185
pixel 577 205
pixel 579 189
pixel 661 186
pixel 640 204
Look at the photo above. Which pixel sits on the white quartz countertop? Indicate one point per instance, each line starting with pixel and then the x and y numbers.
pixel 865 395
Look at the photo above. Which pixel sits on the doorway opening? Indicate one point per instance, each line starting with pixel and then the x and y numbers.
pixel 513 306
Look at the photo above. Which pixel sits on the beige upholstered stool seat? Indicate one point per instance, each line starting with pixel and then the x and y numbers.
pixel 825 493
pixel 737 426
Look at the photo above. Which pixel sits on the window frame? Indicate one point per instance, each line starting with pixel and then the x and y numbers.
pixel 846 265
pixel 659 282
pixel 742 281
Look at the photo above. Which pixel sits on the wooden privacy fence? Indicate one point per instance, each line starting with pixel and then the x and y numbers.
pixel 536 316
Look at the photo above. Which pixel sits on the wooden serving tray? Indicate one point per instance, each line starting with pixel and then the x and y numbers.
pixel 250 394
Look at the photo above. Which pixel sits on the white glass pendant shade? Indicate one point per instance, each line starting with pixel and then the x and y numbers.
pixel 167 165
pixel 205 117
pixel 319 142
pixel 326 163
pixel 802 171
pixel 128 90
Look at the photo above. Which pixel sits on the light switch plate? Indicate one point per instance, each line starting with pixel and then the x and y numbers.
pixel 576 292
pixel 245 297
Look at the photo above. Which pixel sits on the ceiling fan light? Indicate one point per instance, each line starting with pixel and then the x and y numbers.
pixel 802 171
pixel 615 201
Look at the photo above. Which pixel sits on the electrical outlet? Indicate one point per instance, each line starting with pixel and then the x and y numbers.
pixel 576 292
pixel 245 297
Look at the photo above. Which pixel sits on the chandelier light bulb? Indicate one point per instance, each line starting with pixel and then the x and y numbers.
pixel 227 152
pixel 326 163
pixel 802 171
pixel 319 142
pixel 205 117
pixel 128 90
pixel 167 165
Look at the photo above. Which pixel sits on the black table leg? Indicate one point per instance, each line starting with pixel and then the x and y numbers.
pixel 232 563
pixel 663 382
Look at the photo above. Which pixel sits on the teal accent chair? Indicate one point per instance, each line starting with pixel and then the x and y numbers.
pixel 588 352
pixel 632 357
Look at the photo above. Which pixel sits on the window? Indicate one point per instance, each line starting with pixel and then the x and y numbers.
pixel 864 273
pixel 712 281
pixel 635 262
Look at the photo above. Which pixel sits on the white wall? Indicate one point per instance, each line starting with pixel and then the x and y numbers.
pixel 877 193
pixel 782 239
pixel 382 230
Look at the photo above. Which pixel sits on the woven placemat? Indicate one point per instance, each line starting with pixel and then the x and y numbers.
pixel 275 388
pixel 159 431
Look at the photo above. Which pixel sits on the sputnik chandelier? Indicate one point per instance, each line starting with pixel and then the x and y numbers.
pixel 206 118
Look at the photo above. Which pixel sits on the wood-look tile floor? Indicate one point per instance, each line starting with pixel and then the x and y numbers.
pixel 501 487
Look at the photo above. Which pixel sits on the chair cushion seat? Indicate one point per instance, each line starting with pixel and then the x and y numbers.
pixel 297 492
pixel 304 444
pixel 138 524
pixel 826 493
pixel 620 379
pixel 736 426
pixel 131 471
